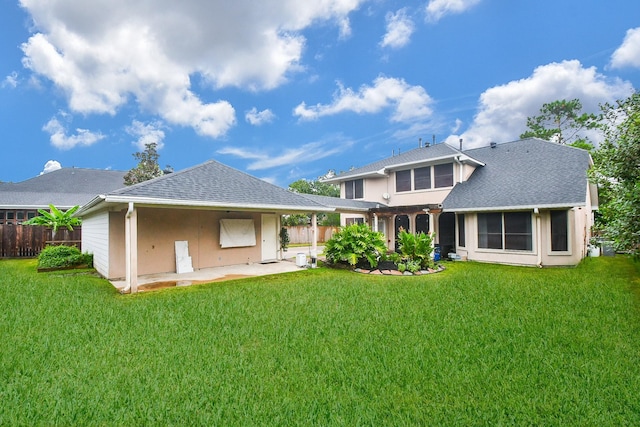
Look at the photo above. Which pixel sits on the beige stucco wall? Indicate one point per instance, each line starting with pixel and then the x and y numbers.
pixel 159 228
pixel 375 188
pixel 579 224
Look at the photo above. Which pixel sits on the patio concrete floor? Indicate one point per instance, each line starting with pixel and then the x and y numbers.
pixel 157 281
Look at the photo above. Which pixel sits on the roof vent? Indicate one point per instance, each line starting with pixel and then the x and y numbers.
pixel 493 144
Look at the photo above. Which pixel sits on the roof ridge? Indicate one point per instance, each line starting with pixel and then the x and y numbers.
pixel 159 178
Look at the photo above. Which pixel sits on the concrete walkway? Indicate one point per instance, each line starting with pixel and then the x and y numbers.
pixel 151 282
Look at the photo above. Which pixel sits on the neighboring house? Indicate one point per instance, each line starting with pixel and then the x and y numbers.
pixel 225 216
pixel 63 188
pixel 526 202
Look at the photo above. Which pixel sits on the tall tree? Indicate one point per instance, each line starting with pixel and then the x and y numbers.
pixel 564 122
pixel 618 171
pixel 147 167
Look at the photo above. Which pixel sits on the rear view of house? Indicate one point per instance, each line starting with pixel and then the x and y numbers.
pixel 526 202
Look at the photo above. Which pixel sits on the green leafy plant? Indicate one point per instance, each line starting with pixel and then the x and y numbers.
pixel 355 243
pixel 415 249
pixel 284 238
pixel 63 256
pixel 56 218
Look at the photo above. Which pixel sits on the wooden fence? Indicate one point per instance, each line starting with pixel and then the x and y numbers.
pixel 302 234
pixel 26 241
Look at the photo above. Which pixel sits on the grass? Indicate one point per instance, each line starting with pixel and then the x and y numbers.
pixel 475 345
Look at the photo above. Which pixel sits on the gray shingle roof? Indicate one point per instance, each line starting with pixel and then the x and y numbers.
pixel 343 204
pixel 416 155
pixel 523 174
pixel 214 184
pixel 63 188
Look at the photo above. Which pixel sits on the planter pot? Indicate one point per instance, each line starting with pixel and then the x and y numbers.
pixel 594 251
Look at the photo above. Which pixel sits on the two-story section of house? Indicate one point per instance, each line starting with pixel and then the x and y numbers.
pixel 526 202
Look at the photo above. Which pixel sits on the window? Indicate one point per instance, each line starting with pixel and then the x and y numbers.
pixel 351 221
pixel 517 231
pixel 443 175
pixel 422 178
pixel 422 223
pixel 461 231
pixel 354 189
pixel 490 230
pixel 403 180
pixel 559 231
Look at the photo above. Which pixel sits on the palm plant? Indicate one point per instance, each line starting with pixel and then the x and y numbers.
pixel 56 218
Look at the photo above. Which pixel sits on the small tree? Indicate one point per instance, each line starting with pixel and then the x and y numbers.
pixel 56 218
pixel 147 168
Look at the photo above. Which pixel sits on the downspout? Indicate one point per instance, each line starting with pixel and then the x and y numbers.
pixel 536 212
pixel 457 159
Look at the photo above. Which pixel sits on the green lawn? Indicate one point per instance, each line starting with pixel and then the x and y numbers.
pixel 474 345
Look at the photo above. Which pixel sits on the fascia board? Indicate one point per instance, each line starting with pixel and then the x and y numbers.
pixel 516 208
pixel 371 174
pixel 207 204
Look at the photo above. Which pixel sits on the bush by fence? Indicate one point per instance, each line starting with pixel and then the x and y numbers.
pixel 26 241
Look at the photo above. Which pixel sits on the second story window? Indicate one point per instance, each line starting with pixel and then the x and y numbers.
pixel 354 189
pixel 443 175
pixel 422 178
pixel 403 180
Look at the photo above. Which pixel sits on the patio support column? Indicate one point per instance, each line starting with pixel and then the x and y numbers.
pixel 314 240
pixel 131 248
pixel 432 229
pixel 375 222
pixel 314 233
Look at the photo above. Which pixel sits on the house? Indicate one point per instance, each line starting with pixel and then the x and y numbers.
pixel 209 215
pixel 526 202
pixel 64 188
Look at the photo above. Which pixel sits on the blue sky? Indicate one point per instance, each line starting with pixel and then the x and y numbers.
pixel 289 89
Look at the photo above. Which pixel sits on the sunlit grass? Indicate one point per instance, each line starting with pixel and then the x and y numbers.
pixel 474 345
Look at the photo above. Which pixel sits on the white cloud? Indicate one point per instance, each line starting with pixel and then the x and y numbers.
pixel 503 110
pixel 628 54
pixel 105 54
pixel 61 140
pixel 257 118
pixel 436 9
pixel 50 166
pixel 408 102
pixel 147 134
pixel 306 153
pixel 399 29
pixel 11 80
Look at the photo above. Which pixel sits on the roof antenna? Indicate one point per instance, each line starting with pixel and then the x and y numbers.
pixel 460 144
pixel 419 142
pixel 434 139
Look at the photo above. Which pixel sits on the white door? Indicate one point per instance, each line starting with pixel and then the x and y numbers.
pixel 269 238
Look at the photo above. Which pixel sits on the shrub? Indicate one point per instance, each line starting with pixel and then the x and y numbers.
pixel 63 256
pixel 355 243
pixel 415 249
